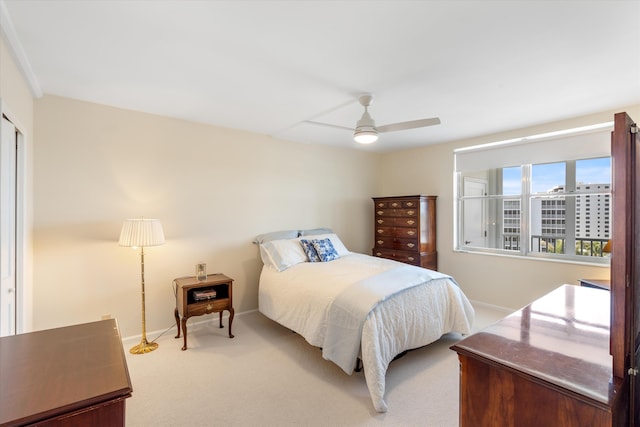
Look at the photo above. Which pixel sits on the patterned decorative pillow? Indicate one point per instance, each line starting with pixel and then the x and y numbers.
pixel 335 241
pixel 310 250
pixel 325 249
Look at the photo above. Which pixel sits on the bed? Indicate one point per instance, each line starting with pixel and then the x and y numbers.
pixel 355 306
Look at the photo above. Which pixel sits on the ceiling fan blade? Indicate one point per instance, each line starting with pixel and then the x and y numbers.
pixel 328 125
pixel 413 124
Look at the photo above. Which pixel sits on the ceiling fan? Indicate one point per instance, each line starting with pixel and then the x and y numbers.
pixel 366 131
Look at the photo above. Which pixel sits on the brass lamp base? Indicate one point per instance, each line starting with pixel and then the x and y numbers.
pixel 143 347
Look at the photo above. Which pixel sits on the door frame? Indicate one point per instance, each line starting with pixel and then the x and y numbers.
pixel 24 278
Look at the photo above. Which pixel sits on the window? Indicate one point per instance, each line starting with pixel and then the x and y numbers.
pixel 544 196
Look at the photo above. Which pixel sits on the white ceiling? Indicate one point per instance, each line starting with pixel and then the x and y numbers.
pixel 268 66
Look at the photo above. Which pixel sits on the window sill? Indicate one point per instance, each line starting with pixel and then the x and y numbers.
pixel 605 263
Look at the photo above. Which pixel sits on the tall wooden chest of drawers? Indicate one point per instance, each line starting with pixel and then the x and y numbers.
pixel 405 230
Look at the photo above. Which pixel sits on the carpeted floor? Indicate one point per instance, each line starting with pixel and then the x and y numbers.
pixel 269 376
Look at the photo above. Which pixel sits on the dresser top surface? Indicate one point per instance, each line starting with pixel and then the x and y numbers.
pixel 55 371
pixel 561 338
pixel 212 279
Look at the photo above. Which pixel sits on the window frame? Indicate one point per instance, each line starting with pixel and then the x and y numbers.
pixel 525 199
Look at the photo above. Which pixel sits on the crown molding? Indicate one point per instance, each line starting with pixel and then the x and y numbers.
pixel 9 34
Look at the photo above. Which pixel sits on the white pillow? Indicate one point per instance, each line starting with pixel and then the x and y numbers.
pixel 282 254
pixel 335 241
pixel 276 235
pixel 315 231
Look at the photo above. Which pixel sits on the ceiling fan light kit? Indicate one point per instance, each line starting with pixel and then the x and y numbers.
pixel 366 131
pixel 365 136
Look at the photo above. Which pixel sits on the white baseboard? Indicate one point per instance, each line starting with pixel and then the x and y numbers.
pixel 153 335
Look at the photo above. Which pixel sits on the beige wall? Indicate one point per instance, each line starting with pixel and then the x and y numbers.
pixel 214 189
pixel 16 102
pixel 503 281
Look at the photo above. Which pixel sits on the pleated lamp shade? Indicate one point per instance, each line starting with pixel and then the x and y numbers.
pixel 141 233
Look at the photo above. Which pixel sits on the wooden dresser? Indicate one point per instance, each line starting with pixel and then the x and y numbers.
pixel 71 376
pixel 405 230
pixel 547 364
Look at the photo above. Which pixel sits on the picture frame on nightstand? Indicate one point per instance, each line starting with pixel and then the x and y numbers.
pixel 201 272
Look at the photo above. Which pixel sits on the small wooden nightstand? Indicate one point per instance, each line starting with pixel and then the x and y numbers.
pixel 215 296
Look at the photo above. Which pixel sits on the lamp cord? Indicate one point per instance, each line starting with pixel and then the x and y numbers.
pixel 174 286
pixel 162 333
pixel 175 294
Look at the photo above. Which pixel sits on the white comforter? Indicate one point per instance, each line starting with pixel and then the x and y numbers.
pixel 300 299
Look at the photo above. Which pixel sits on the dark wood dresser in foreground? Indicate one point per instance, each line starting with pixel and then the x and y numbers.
pixel 545 365
pixel 70 376
pixel 405 229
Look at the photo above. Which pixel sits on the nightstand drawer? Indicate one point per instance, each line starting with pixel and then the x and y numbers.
pixel 206 307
